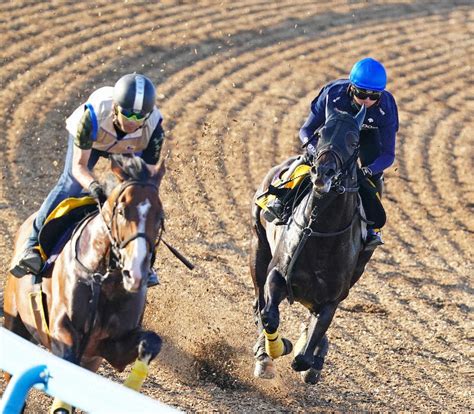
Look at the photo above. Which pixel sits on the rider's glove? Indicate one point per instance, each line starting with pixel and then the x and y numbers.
pixel 97 191
pixel 366 171
pixel 311 149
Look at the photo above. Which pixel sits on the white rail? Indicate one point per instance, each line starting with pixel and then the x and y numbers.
pixel 33 366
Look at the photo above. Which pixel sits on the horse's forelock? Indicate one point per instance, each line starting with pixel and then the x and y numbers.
pixel 132 167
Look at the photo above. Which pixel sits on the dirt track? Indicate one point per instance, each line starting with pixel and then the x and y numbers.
pixel 235 83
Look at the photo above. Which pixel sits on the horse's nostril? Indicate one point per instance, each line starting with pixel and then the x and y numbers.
pixel 126 274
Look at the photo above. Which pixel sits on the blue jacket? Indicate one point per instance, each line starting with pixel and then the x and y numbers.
pixel 382 116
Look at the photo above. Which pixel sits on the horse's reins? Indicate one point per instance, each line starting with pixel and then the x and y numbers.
pixel 307 231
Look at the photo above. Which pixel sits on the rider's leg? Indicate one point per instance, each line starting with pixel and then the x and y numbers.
pixel 369 151
pixel 67 186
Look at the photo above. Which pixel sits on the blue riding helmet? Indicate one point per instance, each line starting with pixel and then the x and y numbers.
pixel 368 74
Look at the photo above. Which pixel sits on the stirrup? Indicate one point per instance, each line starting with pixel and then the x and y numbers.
pixel 153 279
pixel 374 239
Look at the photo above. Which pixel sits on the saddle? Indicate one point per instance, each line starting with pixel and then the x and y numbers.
pixel 286 188
pixel 60 225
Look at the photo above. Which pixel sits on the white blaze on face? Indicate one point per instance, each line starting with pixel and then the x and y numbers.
pixel 133 264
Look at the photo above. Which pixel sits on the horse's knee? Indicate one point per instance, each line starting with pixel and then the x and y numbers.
pixel 270 320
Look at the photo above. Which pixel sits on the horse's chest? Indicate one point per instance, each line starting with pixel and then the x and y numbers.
pixel 116 323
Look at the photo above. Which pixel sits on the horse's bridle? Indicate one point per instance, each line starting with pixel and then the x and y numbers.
pixel 343 167
pixel 117 245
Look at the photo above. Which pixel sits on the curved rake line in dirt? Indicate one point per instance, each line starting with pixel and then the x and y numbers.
pixel 446 139
pixel 37 80
pixel 418 183
pixel 408 343
pixel 98 34
pixel 402 170
pixel 440 156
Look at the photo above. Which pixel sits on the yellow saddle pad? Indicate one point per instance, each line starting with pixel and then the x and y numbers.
pixel 284 182
pixel 66 215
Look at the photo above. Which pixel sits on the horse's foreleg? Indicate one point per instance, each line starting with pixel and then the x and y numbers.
pixel 65 340
pixel 312 375
pixel 275 291
pixel 64 344
pixel 318 326
pixel 139 346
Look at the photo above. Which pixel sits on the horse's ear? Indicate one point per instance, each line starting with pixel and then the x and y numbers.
pixel 329 107
pixel 116 162
pixel 361 116
pixel 159 174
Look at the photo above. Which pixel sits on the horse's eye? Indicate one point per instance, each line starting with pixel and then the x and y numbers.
pixel 120 210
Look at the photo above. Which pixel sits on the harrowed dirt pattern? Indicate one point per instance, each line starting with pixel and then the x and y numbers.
pixel 235 81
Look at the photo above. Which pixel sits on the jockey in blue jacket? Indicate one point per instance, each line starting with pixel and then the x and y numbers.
pixel 122 119
pixel 365 86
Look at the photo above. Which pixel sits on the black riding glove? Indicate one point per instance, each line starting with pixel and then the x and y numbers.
pixel 98 192
pixel 366 171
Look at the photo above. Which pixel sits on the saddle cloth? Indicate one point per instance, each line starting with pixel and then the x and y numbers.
pixel 283 184
pixel 371 207
pixel 60 225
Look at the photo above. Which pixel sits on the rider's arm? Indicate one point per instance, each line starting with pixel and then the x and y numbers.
pixel 387 131
pixel 82 150
pixel 387 150
pixel 151 154
pixel 315 120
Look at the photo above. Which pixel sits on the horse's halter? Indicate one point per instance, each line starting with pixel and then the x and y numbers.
pixel 343 168
pixel 117 245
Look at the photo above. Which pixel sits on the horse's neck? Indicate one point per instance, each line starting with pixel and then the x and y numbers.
pixel 333 213
pixel 91 243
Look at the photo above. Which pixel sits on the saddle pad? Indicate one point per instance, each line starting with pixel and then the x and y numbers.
pixel 282 184
pixel 61 222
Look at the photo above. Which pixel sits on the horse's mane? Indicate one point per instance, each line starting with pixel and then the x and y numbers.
pixel 131 167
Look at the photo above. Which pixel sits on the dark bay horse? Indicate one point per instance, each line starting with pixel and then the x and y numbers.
pixel 91 302
pixel 315 258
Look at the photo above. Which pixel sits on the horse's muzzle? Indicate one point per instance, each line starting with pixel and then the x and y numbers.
pixel 321 178
pixel 131 281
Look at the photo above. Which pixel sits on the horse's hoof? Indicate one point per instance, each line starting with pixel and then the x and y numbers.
pixel 300 363
pixel 311 376
pixel 264 368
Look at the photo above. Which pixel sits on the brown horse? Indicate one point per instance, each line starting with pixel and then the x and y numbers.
pixel 90 303
pixel 317 257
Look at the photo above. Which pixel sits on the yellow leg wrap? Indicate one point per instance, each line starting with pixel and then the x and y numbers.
pixel 301 343
pixel 58 404
pixel 274 346
pixel 137 376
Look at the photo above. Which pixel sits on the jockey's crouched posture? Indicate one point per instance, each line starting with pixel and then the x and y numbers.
pixel 365 86
pixel 115 120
